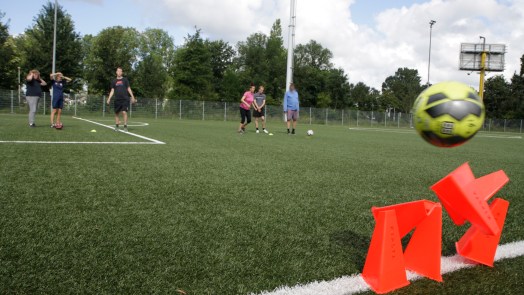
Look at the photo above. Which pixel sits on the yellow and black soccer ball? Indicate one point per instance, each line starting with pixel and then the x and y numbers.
pixel 448 114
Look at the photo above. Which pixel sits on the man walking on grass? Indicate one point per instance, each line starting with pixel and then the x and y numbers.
pixel 121 89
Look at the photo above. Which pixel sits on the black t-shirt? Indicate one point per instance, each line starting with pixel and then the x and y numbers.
pixel 120 86
pixel 33 87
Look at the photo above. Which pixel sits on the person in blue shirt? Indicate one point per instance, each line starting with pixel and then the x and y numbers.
pixel 291 107
pixel 58 82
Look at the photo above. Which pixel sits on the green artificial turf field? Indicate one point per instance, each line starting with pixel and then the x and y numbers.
pixel 215 212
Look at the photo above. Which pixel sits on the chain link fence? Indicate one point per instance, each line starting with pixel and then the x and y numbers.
pixel 95 106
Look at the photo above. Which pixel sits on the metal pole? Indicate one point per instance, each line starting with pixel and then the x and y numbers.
pixel 342 117
pixel 398 125
pixel 19 86
pixel 12 98
pixel 44 103
pixel 431 23
pixel 326 116
pixel 482 69
pixel 130 109
pixel 520 126
pixel 203 110
pixel 54 39
pixel 180 111
pixel 291 43
pixel 103 106
pixel 156 108
pixel 504 125
pixel 385 118
pixel 357 117
pixel 309 115
pixel 225 111
pixel 76 102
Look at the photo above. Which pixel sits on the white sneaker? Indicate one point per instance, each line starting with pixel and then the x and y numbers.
pixel 265 131
pixel 258 131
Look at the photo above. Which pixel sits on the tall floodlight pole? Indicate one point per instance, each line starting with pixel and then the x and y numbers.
pixel 54 39
pixel 431 23
pixel 291 43
pixel 482 69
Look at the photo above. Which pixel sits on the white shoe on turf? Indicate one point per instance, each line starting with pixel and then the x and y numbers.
pixel 265 131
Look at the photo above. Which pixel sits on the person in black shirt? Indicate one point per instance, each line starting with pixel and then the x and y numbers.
pixel 33 93
pixel 121 90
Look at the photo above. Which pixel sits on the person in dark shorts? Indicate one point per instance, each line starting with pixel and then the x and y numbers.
pixel 291 107
pixel 34 85
pixel 260 108
pixel 245 109
pixel 121 89
pixel 58 82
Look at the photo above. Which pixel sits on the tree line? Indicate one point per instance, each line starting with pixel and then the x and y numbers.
pixel 214 70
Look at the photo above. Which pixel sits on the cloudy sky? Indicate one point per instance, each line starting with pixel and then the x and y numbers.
pixel 370 39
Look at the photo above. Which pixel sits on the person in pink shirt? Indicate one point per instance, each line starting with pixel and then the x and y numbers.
pixel 245 109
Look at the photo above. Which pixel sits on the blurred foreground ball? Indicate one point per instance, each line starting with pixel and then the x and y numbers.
pixel 448 114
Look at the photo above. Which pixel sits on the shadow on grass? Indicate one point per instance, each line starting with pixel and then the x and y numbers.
pixel 355 243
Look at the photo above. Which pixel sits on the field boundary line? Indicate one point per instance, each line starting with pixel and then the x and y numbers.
pixel 412 131
pixel 78 142
pixel 355 283
pixel 129 133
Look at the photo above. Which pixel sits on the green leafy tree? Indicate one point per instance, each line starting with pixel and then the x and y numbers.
pixel 496 93
pixel 276 60
pixel 156 54
pixel 403 87
pixel 252 60
pixel 364 97
pixel 113 47
pixel 222 54
pixel 9 58
pixel 192 71
pixel 517 91
pixel 38 44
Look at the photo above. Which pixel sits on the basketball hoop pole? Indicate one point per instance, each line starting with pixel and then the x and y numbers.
pixel 482 69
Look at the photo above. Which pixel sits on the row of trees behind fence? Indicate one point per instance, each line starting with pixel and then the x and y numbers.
pixel 214 70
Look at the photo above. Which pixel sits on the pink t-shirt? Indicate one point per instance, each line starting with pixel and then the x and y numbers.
pixel 249 100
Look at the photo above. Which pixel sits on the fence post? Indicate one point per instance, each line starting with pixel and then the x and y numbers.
pixel 12 97
pixel 309 115
pixel 342 117
pixel 326 116
pixel 74 96
pixel 399 114
pixel 103 106
pixel 156 108
pixel 371 118
pixel 203 110
pixel 225 111
pixel 489 126
pixel 520 126
pixel 504 125
pixel 180 111
pixel 130 109
pixel 44 104
pixel 357 117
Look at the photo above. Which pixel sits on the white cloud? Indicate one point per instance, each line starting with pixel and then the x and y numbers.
pixel 398 38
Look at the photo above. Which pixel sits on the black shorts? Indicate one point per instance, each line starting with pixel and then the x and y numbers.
pixel 258 114
pixel 121 106
pixel 245 116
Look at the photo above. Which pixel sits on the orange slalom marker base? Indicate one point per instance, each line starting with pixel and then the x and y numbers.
pixel 477 246
pixel 465 198
pixel 385 267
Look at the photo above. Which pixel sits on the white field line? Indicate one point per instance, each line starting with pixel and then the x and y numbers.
pixel 130 133
pixel 414 132
pixel 355 283
pixel 78 142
